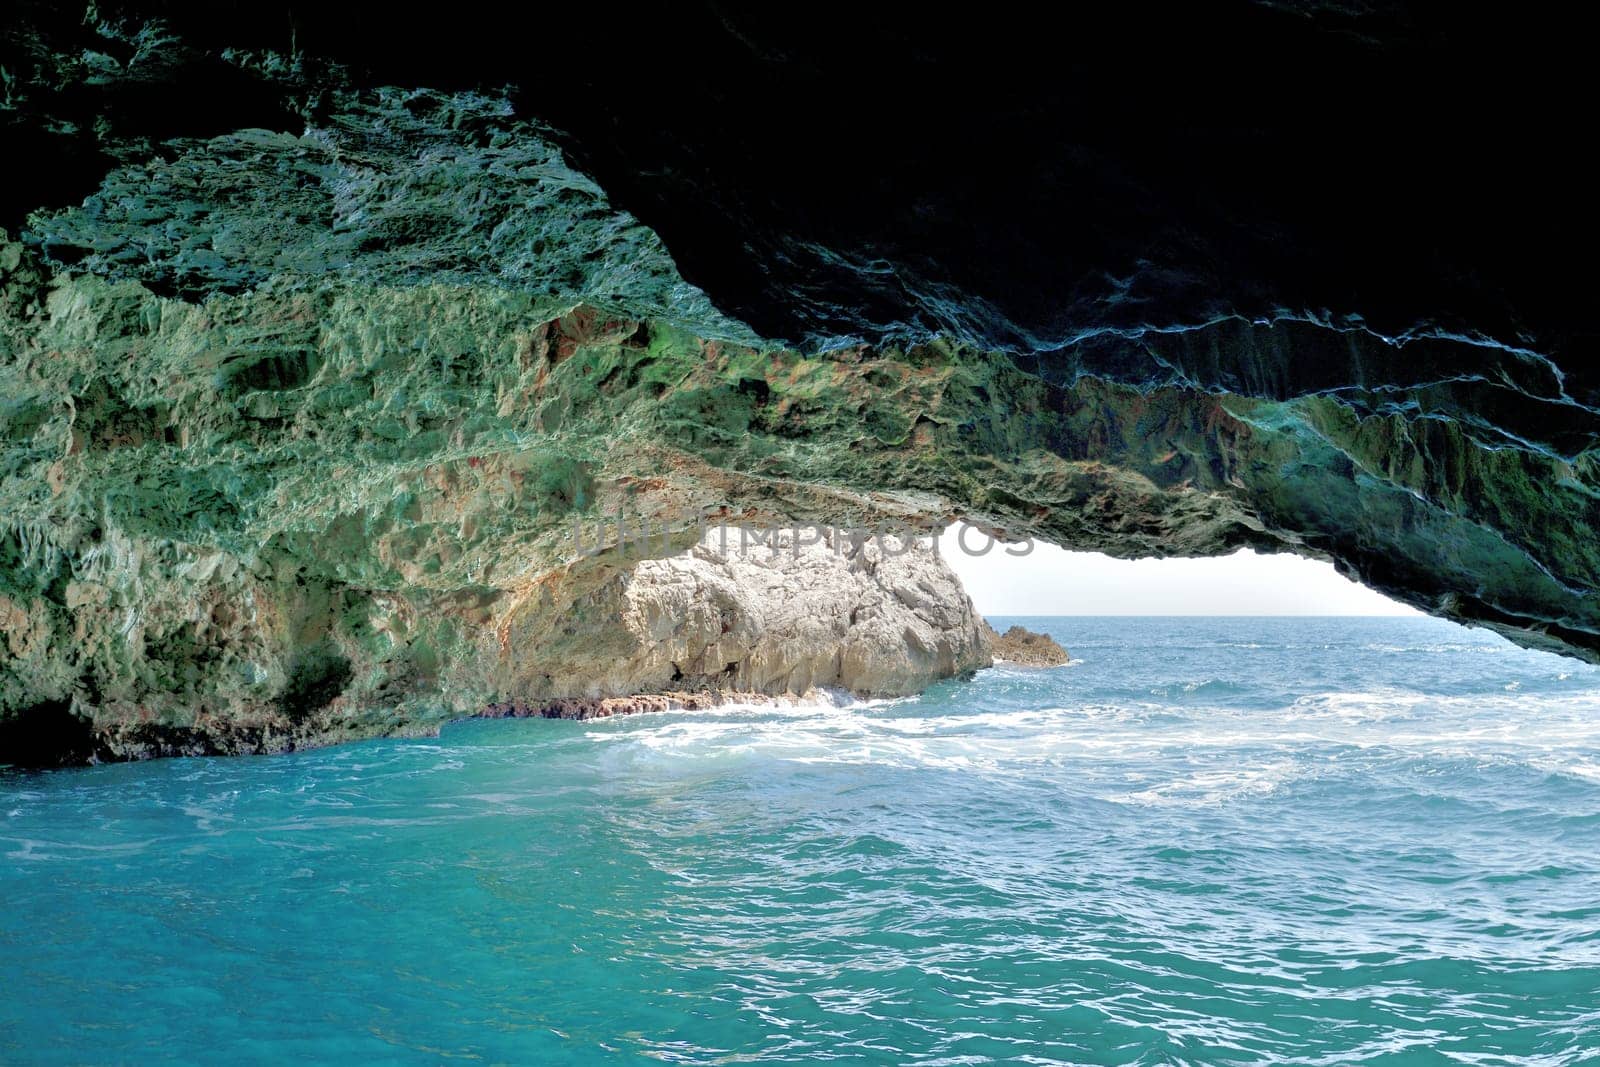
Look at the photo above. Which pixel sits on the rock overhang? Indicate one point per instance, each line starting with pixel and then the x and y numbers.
pixel 345 379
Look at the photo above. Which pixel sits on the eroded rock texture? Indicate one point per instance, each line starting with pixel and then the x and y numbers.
pixel 314 340
pixel 788 615
pixel 1025 648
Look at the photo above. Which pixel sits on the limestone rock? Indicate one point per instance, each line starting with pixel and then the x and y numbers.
pixel 876 617
pixel 304 383
pixel 1025 648
pixel 580 709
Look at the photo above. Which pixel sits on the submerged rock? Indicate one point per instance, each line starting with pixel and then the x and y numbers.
pixel 1026 648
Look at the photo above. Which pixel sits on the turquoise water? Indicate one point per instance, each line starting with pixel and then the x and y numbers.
pixel 1210 841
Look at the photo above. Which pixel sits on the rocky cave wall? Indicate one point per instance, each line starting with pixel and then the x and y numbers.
pixel 295 421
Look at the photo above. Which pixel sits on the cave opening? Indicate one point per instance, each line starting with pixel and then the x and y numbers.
pixel 1035 578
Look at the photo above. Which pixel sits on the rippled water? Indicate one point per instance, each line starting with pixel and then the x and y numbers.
pixel 1211 841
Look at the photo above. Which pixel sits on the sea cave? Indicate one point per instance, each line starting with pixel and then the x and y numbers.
pixel 341 348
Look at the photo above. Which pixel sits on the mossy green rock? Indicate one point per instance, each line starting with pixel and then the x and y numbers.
pixel 293 444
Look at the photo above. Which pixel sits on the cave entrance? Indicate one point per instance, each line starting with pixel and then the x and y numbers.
pixel 1014 579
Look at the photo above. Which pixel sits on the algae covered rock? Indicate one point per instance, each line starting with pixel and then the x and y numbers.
pixel 317 512
pixel 303 392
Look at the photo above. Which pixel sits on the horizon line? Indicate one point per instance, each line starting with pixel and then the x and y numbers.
pixel 1215 615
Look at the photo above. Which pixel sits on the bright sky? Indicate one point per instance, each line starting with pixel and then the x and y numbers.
pixel 1050 581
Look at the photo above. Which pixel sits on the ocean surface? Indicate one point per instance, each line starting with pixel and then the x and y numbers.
pixel 1317 841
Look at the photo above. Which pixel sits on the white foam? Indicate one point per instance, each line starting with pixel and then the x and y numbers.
pixel 1211 787
pixel 1206 753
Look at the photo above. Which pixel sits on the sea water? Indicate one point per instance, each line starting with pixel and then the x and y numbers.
pixel 1319 841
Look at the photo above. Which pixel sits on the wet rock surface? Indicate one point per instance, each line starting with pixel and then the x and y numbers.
pixel 582 709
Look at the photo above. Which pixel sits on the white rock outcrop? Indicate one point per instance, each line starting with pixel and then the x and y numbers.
pixel 875 618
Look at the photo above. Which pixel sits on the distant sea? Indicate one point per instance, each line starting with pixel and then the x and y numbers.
pixel 1209 840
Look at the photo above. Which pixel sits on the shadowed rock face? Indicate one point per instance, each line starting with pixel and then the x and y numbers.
pixel 315 337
